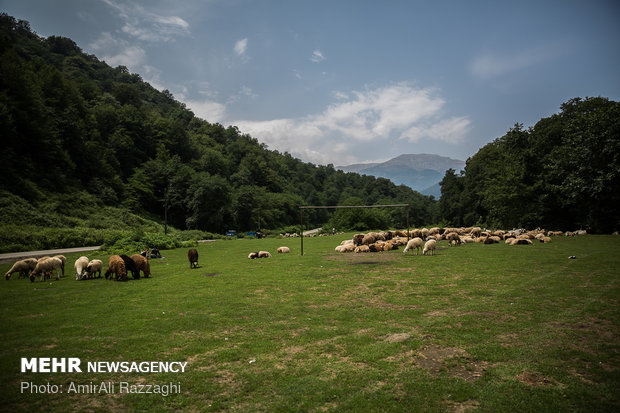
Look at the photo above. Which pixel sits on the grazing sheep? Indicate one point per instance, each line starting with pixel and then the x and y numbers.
pixel 253 255
pixel 23 267
pixel 46 266
pixel 192 256
pixel 546 240
pixel 522 241
pixel 116 266
pixel 429 246
pixel 453 238
pixel 414 244
pixel 284 250
pixel 362 248
pixel 264 254
pixel 80 266
pixel 130 265
pixel 94 266
pixel 143 264
pixel 62 259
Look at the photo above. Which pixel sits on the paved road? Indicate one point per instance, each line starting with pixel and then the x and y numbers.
pixel 14 256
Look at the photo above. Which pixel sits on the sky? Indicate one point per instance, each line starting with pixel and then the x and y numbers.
pixel 346 82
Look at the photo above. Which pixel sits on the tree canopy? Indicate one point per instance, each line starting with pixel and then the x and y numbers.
pixel 562 173
pixel 70 123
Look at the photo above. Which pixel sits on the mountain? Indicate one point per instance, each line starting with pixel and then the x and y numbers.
pixel 421 172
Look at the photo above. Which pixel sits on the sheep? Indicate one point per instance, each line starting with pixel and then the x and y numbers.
pixel 130 265
pixel 284 250
pixel 192 256
pixel 80 266
pixel 475 232
pixel 44 266
pixel 357 239
pixel 522 241
pixel 116 266
pixel 467 240
pixel 264 254
pixel 62 259
pixel 94 266
pixel 453 238
pixel 414 244
pixel 368 239
pixel 429 246
pixel 253 255
pixel 142 264
pixel 23 267
pixel 362 248
pixel 546 240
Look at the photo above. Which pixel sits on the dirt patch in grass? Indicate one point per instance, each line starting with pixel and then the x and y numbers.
pixel 212 274
pixel 463 407
pixel 534 379
pixel 454 361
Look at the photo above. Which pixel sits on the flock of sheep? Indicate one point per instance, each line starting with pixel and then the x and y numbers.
pixel 425 240
pixel 418 240
pixel 118 267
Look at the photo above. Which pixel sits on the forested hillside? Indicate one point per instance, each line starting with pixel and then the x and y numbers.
pixel 563 173
pixel 78 135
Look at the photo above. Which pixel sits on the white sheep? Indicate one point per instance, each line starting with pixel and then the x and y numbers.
pixel 414 244
pixel 80 266
pixel 253 255
pixel 264 254
pixel 23 267
pixel 429 246
pixel 95 266
pixel 284 250
pixel 47 266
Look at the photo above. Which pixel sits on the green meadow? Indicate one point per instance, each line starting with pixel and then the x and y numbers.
pixel 472 328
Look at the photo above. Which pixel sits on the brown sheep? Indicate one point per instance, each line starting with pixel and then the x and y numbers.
pixel 116 266
pixel 368 239
pixel 142 264
pixel 192 256
pixel 284 250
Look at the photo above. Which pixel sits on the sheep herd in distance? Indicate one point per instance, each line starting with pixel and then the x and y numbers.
pixel 420 241
pixel 426 239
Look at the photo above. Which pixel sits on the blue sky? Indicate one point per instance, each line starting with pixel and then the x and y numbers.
pixel 343 82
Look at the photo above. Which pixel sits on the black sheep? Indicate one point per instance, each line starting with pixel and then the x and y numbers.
pixel 192 255
pixel 130 265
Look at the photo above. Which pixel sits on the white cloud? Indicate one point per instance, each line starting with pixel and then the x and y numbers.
pixel 317 56
pixel 208 110
pixel 360 119
pixel 148 26
pixel 489 65
pixel 241 46
pixel 115 52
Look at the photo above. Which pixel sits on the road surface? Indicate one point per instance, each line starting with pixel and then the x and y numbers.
pixel 14 256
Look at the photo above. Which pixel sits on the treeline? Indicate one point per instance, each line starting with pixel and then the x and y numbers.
pixel 71 124
pixel 563 173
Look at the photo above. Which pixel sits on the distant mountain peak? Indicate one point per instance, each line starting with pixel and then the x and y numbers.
pixel 421 172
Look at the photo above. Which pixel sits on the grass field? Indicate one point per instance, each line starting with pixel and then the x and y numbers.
pixel 476 327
